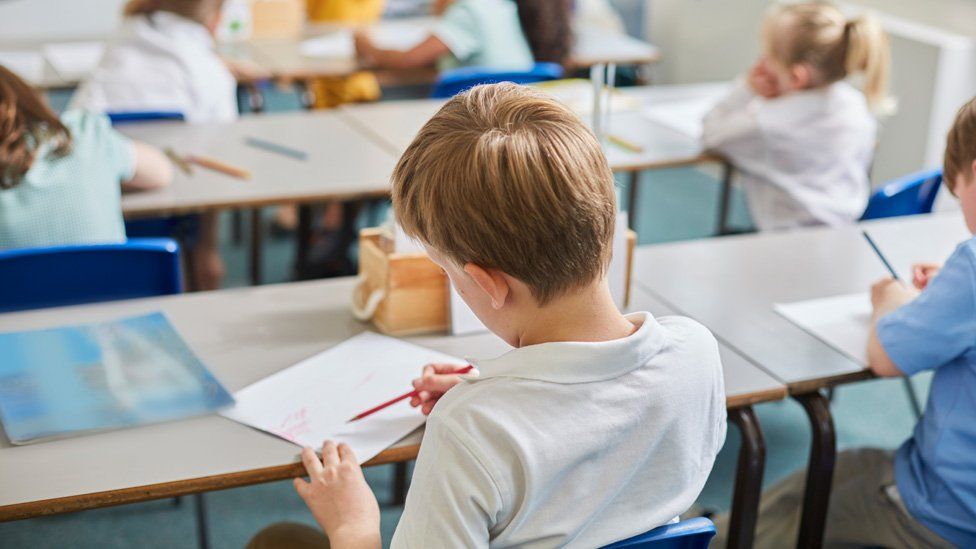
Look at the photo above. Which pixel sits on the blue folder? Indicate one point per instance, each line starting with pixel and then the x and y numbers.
pixel 66 381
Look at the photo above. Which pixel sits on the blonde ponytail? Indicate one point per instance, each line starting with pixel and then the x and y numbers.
pixel 868 52
pixel 819 35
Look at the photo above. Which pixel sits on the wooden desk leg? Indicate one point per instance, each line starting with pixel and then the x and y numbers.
pixel 725 200
pixel 257 246
pixel 401 481
pixel 303 234
pixel 202 537
pixel 634 177
pixel 748 479
pixel 820 474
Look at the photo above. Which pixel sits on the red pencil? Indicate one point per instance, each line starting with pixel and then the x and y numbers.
pixel 389 403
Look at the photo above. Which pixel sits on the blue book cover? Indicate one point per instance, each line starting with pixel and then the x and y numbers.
pixel 65 381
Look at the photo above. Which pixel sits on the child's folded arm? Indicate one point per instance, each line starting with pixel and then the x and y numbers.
pixel 731 121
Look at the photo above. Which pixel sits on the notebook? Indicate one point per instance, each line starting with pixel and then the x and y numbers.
pixel 67 381
pixel 843 322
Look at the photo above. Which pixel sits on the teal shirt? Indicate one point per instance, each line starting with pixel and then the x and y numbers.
pixel 483 33
pixel 75 198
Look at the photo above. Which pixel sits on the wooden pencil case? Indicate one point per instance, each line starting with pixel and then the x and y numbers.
pixel 407 293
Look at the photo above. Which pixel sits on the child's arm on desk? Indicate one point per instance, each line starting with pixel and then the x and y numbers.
pixel 339 498
pixel 886 296
pixel 424 54
pixel 152 169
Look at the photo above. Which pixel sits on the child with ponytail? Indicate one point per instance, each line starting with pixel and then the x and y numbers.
pixel 801 136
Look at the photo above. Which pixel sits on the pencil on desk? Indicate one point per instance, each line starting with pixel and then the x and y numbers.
pixel 276 148
pixel 179 161
pixel 404 396
pixel 880 255
pixel 625 144
pixel 218 166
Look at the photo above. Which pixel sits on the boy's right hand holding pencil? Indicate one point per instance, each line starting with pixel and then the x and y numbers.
pixel 923 273
pixel 435 380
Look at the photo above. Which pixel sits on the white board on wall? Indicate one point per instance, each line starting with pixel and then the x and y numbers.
pixel 57 20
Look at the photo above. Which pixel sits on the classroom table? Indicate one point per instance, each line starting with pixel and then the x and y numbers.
pixel 244 335
pixel 730 284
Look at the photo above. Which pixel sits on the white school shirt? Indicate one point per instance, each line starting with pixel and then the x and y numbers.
pixel 803 158
pixel 570 444
pixel 162 62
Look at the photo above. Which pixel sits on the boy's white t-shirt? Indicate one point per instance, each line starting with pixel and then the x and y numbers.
pixel 578 444
pixel 803 158
pixel 161 62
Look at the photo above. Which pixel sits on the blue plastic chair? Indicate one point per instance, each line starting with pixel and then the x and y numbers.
pixel 909 195
pixel 32 278
pixel 455 81
pixel 688 534
pixel 129 117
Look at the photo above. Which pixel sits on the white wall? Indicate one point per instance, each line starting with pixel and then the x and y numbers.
pixel 37 20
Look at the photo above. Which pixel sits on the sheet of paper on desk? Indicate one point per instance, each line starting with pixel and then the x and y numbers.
pixel 843 322
pixel 64 381
pixel 74 60
pixel 389 36
pixel 28 65
pixel 313 400
pixel 684 116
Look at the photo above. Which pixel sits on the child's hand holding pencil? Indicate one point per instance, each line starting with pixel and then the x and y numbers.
pixel 435 380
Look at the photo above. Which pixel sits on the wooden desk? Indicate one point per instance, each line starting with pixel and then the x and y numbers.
pixel 244 335
pixel 730 285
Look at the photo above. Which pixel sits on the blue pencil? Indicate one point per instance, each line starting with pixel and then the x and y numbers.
pixel 880 255
pixel 276 148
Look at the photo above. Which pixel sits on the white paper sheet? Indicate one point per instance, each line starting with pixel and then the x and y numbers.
pixel 312 400
pixel 74 60
pixel 389 36
pixel 28 65
pixel 464 321
pixel 843 322
pixel 684 115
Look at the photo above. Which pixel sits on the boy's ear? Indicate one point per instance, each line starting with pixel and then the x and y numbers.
pixel 491 281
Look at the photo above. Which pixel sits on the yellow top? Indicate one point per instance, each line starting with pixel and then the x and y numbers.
pixel 351 11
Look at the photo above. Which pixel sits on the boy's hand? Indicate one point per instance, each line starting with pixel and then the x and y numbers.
pixel 364 46
pixel 763 81
pixel 889 294
pixel 922 273
pixel 339 498
pixel 433 383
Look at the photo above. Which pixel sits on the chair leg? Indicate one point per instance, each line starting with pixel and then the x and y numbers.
pixel 913 397
pixel 401 483
pixel 178 501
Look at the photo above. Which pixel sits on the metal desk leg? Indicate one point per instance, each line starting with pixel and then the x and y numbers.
pixel 401 481
pixel 632 200
pixel 820 474
pixel 201 515
pixel 257 246
pixel 303 234
pixel 725 201
pixel 748 479
pixel 306 94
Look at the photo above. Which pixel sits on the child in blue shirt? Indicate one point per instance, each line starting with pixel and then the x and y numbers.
pixel 924 494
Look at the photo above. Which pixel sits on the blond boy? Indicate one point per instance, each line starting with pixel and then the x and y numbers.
pixel 598 426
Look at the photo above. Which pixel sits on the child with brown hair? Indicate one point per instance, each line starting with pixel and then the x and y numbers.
pixel 800 135
pixel 598 426
pixel 164 59
pixel 61 178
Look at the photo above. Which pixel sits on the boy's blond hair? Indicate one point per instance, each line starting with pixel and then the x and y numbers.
pixel 201 11
pixel 507 178
pixel 960 148
pixel 821 35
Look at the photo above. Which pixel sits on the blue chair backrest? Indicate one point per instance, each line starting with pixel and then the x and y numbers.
pixel 909 195
pixel 688 534
pixel 32 278
pixel 455 81
pixel 130 117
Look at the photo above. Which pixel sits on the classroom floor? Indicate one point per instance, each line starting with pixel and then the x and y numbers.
pixel 674 204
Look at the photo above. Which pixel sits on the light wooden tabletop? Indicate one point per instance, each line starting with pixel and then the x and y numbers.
pixel 243 335
pixel 341 163
pixel 730 284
